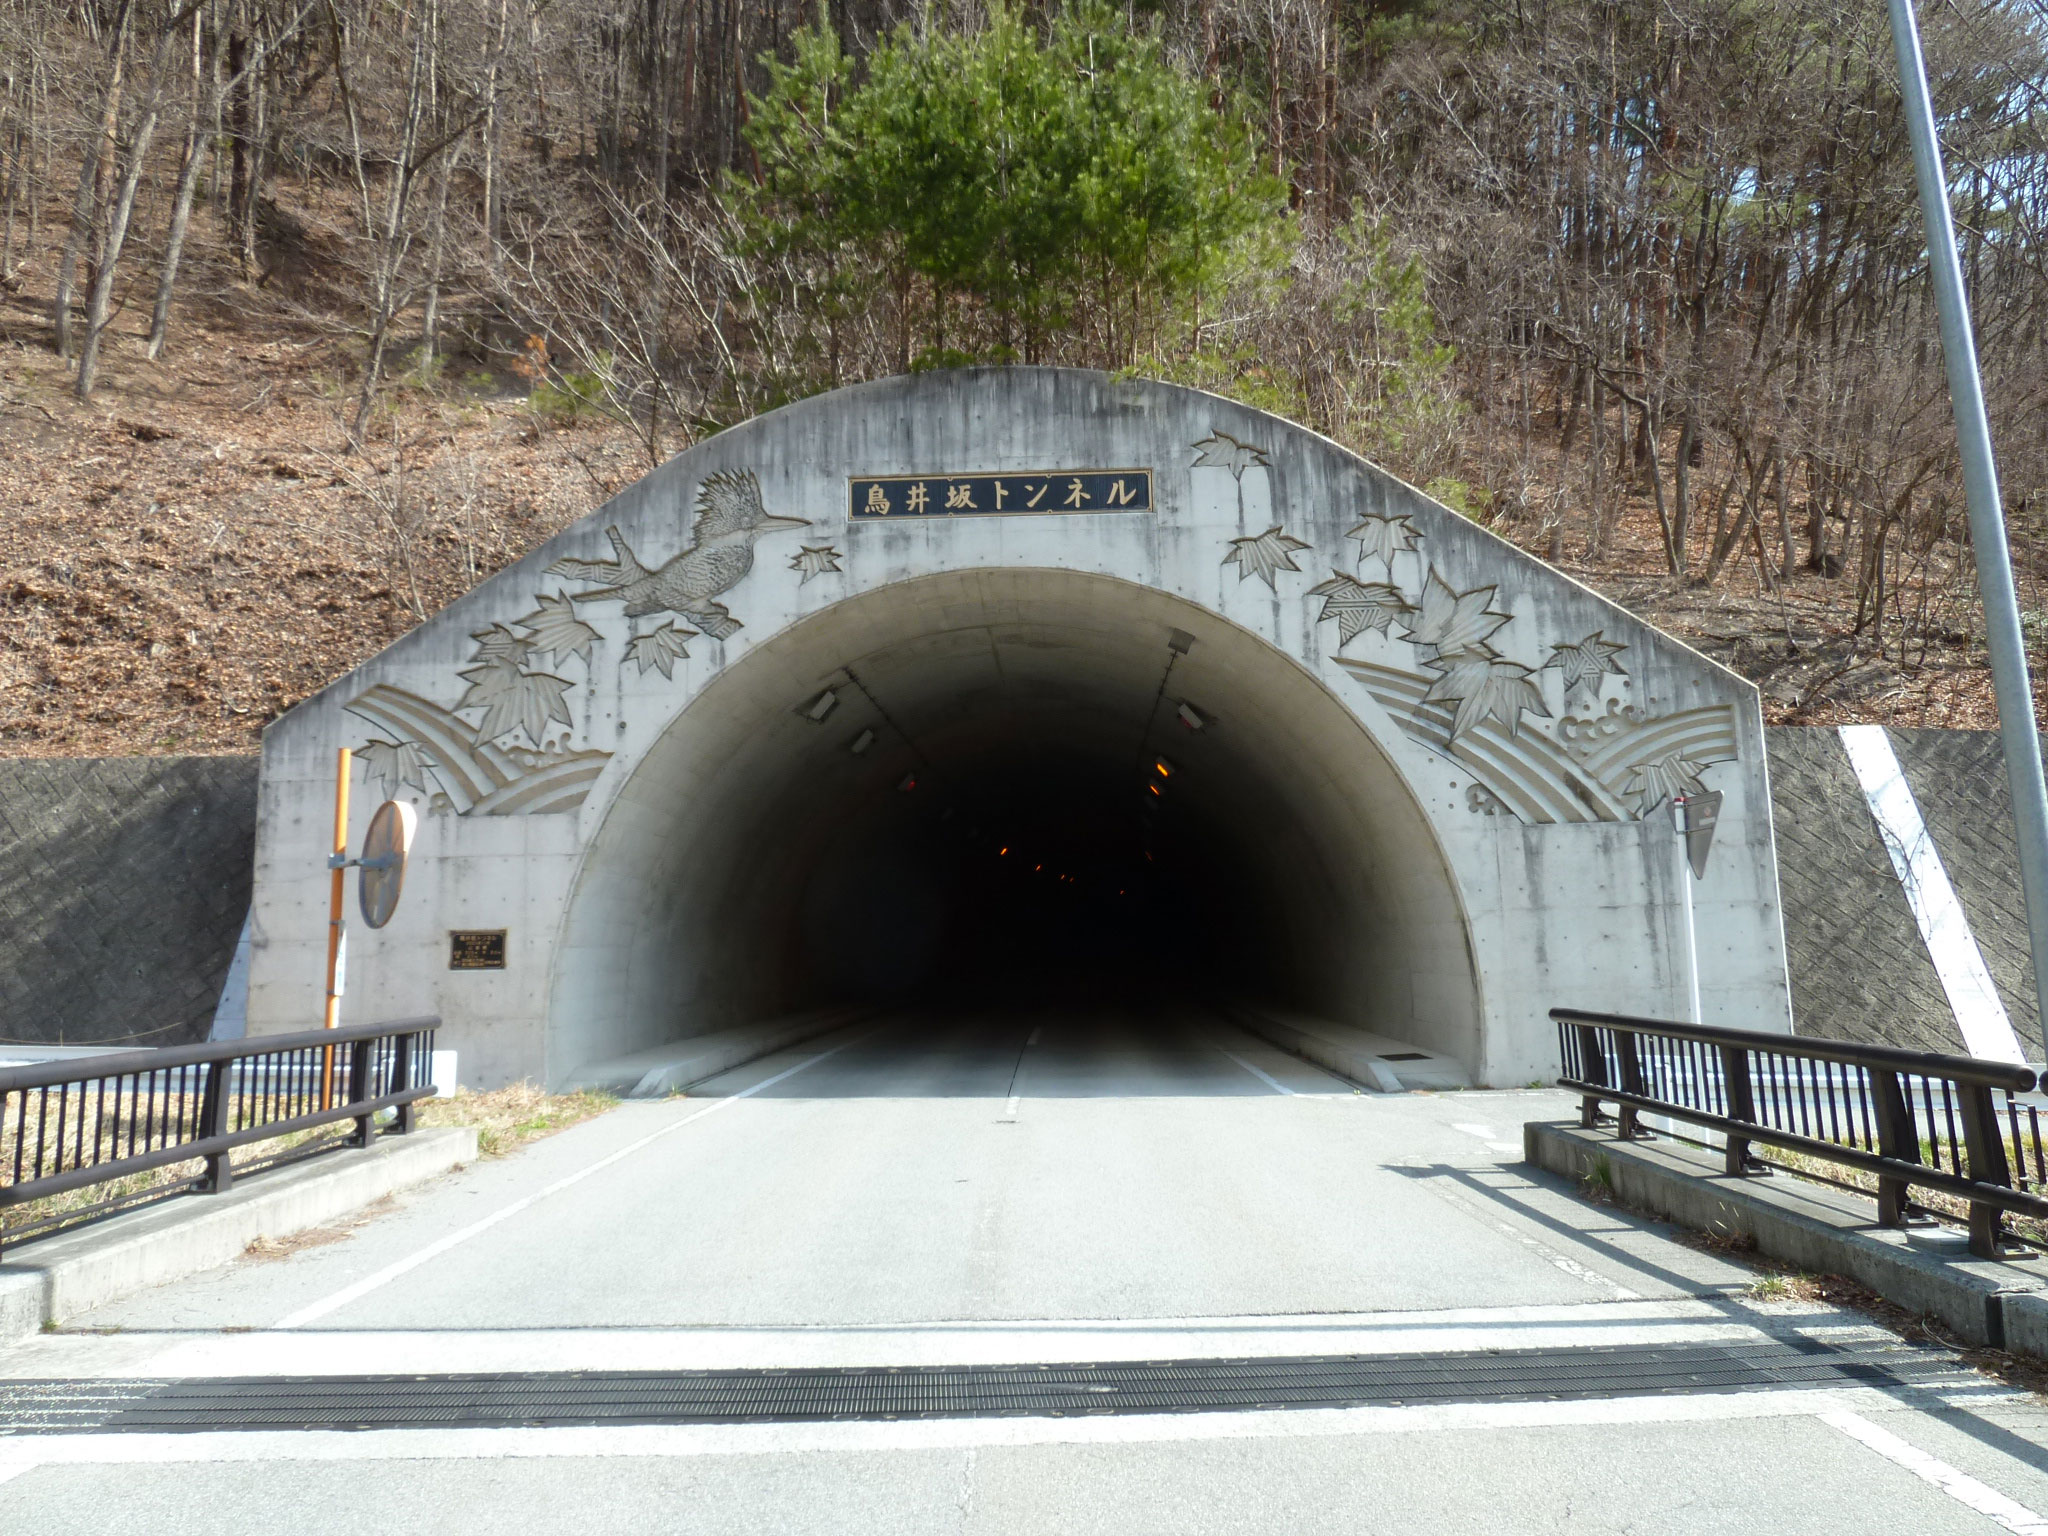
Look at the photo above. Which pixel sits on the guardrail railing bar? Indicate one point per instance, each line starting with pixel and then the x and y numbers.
pixel 154 1109
pixel 1852 1105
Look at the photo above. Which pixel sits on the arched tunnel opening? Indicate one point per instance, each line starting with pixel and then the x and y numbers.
pixel 996 789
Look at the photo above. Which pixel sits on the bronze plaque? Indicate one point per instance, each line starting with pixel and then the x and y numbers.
pixel 476 949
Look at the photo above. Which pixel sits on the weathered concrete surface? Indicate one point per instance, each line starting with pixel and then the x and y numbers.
pixel 684 1063
pixel 58 1278
pixel 1430 852
pixel 123 884
pixel 1821 1230
pixel 1958 778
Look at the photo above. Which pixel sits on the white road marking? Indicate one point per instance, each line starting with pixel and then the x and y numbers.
pixel 434 1250
pixel 678 1440
pixel 1010 1109
pixel 1267 1078
pixel 128 1354
pixel 1944 927
pixel 1489 1135
pixel 347 1352
pixel 1035 1033
pixel 1958 1485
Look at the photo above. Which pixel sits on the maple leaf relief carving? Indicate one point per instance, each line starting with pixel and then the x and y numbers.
pixel 1653 784
pixel 498 643
pixel 396 764
pixel 1220 450
pixel 556 632
pixel 1586 661
pixel 661 648
pixel 1451 621
pixel 1358 606
pixel 1382 538
pixel 1264 554
pixel 514 700
pixel 814 560
pixel 1484 686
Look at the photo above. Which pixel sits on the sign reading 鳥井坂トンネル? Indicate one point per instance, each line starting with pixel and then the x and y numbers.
pixel 1035 493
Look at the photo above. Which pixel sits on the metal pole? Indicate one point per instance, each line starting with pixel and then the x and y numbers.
pixel 1980 485
pixel 337 934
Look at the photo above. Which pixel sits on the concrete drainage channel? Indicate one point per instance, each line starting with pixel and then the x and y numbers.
pixel 764 1396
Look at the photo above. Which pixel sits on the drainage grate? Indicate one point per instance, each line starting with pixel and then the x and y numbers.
pixel 914 1392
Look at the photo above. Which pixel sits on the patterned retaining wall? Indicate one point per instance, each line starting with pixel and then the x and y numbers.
pixel 123 884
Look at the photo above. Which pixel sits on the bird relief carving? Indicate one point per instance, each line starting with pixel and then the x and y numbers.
pixel 505 748
pixel 730 518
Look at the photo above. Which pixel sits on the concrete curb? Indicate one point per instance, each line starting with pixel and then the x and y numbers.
pixel 682 1063
pixel 64 1276
pixel 1351 1053
pixel 1927 1270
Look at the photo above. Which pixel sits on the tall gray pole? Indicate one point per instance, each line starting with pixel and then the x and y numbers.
pixel 1980 487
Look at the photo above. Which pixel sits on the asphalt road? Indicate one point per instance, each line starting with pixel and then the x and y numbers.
pixel 1004 1187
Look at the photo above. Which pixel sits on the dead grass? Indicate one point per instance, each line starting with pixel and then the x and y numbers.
pixel 508 1118
pixel 14 1219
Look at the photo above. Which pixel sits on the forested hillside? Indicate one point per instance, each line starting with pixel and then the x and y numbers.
pixel 318 311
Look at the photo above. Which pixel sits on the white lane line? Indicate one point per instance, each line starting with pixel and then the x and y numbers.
pixel 1958 1485
pixel 434 1250
pixel 1944 927
pixel 679 1440
pixel 1010 1109
pixel 1267 1078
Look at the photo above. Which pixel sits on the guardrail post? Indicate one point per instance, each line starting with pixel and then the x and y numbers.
pixel 1986 1151
pixel 1593 1063
pixel 1631 1082
pixel 213 1120
pixel 361 1053
pixel 402 1062
pixel 1741 1103
pixel 1897 1137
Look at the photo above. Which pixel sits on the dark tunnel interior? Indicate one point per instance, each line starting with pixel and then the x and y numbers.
pixel 827 825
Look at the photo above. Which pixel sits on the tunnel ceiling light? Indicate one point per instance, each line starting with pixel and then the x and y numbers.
pixel 1153 787
pixel 1002 850
pixel 1179 641
pixel 1162 767
pixel 1191 717
pixel 862 742
pixel 821 706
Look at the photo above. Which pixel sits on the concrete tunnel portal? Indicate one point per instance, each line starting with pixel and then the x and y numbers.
pixel 746 742
pixel 1030 817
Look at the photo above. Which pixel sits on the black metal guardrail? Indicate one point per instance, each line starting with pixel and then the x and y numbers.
pixel 1911 1118
pixel 68 1125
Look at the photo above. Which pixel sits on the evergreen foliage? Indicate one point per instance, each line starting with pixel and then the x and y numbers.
pixel 1008 175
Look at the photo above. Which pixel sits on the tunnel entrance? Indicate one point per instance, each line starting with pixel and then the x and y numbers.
pixel 995 787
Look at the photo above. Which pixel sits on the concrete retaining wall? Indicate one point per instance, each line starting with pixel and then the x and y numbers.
pixel 123 885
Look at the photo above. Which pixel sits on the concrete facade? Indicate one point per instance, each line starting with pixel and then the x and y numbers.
pixel 1435 767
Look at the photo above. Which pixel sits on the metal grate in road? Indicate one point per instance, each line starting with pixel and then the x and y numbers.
pixel 926 1392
